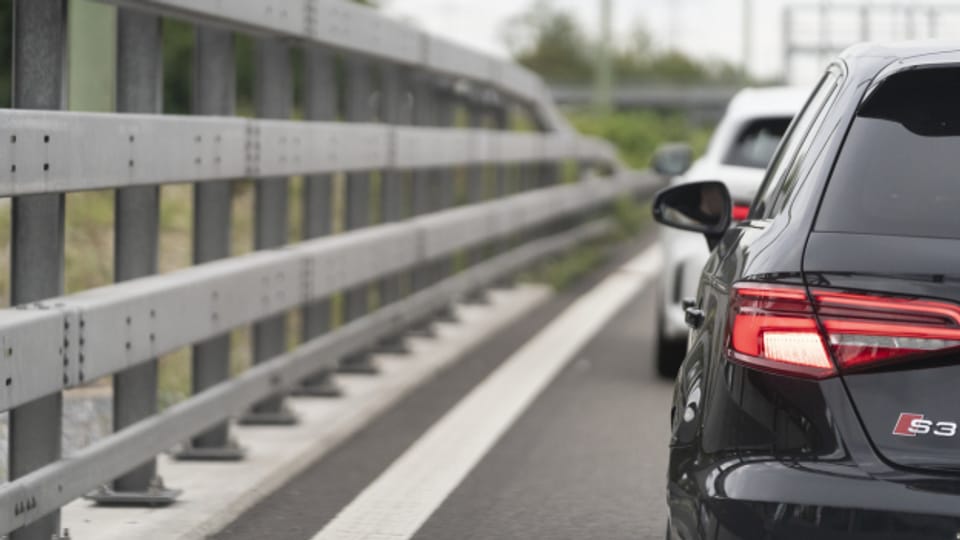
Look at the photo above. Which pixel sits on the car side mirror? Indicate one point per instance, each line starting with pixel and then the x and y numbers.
pixel 672 159
pixel 703 207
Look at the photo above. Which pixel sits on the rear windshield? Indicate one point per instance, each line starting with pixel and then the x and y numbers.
pixel 757 142
pixel 899 170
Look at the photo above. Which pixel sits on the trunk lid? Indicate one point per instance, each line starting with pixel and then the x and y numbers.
pixel 909 405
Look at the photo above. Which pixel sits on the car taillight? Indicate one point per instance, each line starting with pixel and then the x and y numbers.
pixel 773 328
pixel 865 330
pixel 776 328
pixel 740 212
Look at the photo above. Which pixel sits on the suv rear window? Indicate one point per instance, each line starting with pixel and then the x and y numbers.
pixel 757 142
pixel 899 170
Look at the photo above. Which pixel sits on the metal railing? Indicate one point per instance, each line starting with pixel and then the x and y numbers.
pixel 407 141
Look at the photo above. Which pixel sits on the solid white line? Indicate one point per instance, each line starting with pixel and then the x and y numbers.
pixel 401 499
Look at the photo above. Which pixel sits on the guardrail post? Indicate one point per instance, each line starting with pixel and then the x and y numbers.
pixel 546 169
pixel 396 110
pixel 273 95
pixel 320 103
pixel 214 92
pixel 516 173
pixel 423 179
pixel 136 232
pixel 500 122
pixel 503 173
pixel 445 190
pixel 476 182
pixel 477 119
pixel 36 264
pixel 445 187
pixel 551 170
pixel 359 109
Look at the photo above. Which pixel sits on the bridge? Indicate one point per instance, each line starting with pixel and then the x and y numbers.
pixel 403 381
pixel 702 103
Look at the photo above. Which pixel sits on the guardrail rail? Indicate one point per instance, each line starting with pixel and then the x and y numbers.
pixel 426 125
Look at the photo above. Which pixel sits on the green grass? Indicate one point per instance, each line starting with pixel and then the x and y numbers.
pixel 563 271
pixel 638 134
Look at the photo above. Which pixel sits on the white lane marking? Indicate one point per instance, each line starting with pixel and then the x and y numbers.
pixel 401 500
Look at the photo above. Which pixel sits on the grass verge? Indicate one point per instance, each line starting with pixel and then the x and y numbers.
pixel 563 271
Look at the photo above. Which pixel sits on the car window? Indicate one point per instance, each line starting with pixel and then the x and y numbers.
pixel 778 181
pixel 756 143
pixel 897 171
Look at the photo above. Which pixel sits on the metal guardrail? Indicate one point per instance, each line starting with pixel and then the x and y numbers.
pixel 54 152
pixel 517 212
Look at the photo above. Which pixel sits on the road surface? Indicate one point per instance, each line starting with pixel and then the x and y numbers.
pixel 583 458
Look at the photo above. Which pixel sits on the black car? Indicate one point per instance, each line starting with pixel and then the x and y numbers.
pixel 820 394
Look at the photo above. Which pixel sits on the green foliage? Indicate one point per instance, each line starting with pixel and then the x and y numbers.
pixel 551 42
pixel 177 57
pixel 631 216
pixel 637 134
pixel 564 270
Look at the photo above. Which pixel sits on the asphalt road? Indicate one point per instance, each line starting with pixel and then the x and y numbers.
pixel 587 459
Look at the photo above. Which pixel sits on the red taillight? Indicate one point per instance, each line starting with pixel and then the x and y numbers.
pixel 864 330
pixel 740 212
pixel 775 328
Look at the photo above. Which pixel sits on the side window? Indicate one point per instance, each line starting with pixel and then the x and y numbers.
pixel 782 173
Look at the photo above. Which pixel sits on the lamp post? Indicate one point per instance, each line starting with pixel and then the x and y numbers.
pixel 603 73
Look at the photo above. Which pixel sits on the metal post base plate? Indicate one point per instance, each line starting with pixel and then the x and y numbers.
pixel 506 283
pixel 448 314
pixel 423 330
pixel 229 452
pixel 283 417
pixel 395 345
pixel 359 364
pixel 478 298
pixel 320 386
pixel 156 495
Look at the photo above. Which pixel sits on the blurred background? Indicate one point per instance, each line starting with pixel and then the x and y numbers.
pixel 606 60
pixel 678 61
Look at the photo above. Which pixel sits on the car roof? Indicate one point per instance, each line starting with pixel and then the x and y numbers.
pixel 748 105
pixel 752 103
pixel 903 50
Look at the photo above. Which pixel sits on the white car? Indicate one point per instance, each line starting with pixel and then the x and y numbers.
pixel 739 152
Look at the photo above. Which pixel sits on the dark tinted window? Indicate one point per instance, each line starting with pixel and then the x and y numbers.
pixel 757 142
pixel 781 175
pixel 899 170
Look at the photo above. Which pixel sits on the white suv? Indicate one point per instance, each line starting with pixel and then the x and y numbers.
pixel 739 152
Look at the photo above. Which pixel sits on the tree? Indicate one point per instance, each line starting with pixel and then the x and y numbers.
pixel 549 42
pixel 552 43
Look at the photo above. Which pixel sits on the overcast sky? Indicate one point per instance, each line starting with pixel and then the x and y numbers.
pixel 705 28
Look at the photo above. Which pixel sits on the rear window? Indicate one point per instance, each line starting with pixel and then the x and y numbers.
pixel 757 142
pixel 899 170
